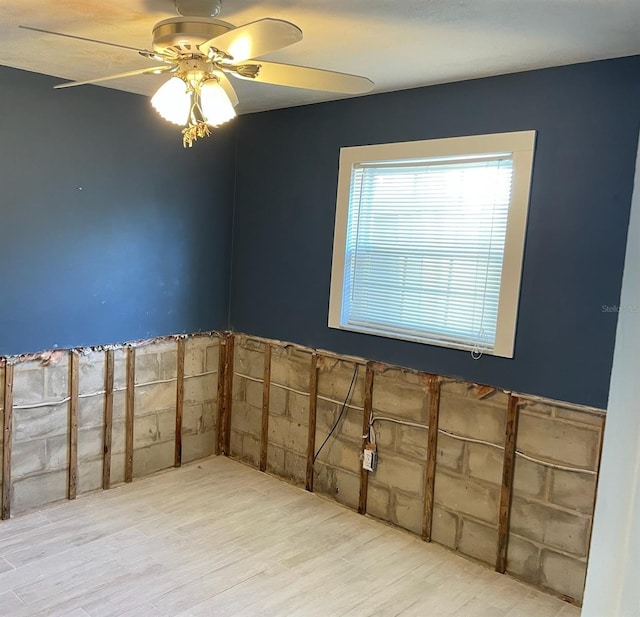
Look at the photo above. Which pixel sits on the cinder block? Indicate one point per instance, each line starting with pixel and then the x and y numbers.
pixel 297 407
pixel 583 417
pixel 119 406
pixel 385 435
pixel 28 383
pixel 275 460
pixel 250 343
pixel 399 473
pixel 407 512
pixel 278 400
pixel 197 446
pixel 194 351
pixel 251 450
pixel 38 490
pixel 347 488
pixel 523 559
pixel 117 469
pixel 547 525
pixel 27 458
pixel 378 499
pixel 326 415
pixel 248 419
pixel 573 490
pixel 411 442
pixel 120 368
pixel 339 454
pixel 238 389
pixel 57 453
pixel 40 422
pixel 290 435
pixel 169 363
pixel 465 496
pixel 324 480
pixel 192 419
pixel 149 399
pixel 91 411
pixel 478 541
pixel 444 527
pixel 167 425
pixel 334 381
pixel 291 367
pixel 295 467
pixel 91 377
pixel 56 379
pixel 253 394
pixel 553 440
pixel 249 361
pixel 529 479
pixel 485 463
pixel 472 418
pixel 89 476
pixel 118 437
pixel 350 427
pixel 209 410
pixel 145 431
pixel 394 394
pixel 153 458
pixel 147 364
pixel 461 389
pixel 235 443
pixel 90 443
pixel 212 354
pixel 563 574
pixel 199 389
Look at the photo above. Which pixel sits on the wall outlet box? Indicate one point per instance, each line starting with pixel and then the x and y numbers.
pixel 369 459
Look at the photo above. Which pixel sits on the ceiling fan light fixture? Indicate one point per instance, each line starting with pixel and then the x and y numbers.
pixel 216 105
pixel 173 101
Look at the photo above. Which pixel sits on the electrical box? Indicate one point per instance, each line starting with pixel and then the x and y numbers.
pixel 369 458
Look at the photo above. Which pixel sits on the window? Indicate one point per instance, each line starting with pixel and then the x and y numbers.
pixel 429 239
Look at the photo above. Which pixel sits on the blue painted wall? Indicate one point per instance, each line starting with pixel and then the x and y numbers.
pixel 109 230
pixel 587 117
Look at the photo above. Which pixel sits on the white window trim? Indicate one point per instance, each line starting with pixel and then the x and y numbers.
pixel 520 144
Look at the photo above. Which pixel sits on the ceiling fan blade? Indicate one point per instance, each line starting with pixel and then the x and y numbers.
pixel 227 87
pixel 255 39
pixel 153 70
pixel 305 77
pixel 82 38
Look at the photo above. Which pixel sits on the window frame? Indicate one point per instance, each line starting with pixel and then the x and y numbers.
pixel 521 145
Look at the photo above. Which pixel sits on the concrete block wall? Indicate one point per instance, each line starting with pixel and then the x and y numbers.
pixel 41 416
pixel 289 413
pixel 469 473
pixel 246 419
pixel 552 507
pixel 337 468
pixel 556 459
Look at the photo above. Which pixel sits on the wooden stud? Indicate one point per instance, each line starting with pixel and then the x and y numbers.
pixel 222 354
pixel 129 419
pixel 179 403
pixel 366 418
pixel 432 453
pixel 311 437
pixel 108 420
pixel 266 390
pixel 508 468
pixel 72 479
pixel 7 433
pixel 228 394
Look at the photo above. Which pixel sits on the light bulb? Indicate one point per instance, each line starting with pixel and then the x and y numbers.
pixel 172 101
pixel 216 106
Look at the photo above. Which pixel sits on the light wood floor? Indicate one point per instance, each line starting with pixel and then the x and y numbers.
pixel 216 538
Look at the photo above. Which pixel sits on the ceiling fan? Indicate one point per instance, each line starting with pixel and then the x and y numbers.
pixel 200 50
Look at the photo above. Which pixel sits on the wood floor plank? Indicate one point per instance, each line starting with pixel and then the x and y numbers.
pixel 218 538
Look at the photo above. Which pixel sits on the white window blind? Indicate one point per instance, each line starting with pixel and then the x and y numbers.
pixel 424 248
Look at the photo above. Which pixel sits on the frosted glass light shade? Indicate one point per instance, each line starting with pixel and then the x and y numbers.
pixel 172 101
pixel 216 106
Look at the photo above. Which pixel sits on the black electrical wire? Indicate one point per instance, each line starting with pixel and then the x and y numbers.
pixel 344 407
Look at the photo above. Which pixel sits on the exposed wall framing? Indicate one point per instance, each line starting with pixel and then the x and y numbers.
pixel 503 477
pixel 86 419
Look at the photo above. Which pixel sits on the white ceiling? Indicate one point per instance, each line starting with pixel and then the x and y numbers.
pixel 398 45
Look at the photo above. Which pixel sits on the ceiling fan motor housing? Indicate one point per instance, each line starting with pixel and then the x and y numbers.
pixel 184 34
